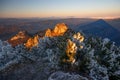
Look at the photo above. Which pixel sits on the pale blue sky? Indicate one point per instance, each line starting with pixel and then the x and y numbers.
pixel 59 8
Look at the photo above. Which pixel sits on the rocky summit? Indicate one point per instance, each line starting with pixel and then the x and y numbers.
pixel 31 42
pixel 68 55
pixel 23 38
pixel 59 30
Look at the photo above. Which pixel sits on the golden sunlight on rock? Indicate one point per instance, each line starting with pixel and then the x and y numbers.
pixel 72 47
pixel 59 30
pixel 19 35
pixel 79 37
pixel 81 47
pixel 48 33
pixel 31 42
pixel 19 38
pixel 71 51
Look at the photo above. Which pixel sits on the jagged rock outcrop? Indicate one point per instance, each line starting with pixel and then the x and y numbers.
pixel 59 30
pixel 20 35
pixel 19 38
pixel 48 33
pixel 31 42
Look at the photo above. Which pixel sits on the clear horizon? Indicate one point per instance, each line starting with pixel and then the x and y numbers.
pixel 59 8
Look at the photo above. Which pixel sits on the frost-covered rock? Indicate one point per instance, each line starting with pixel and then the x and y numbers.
pixel 106 40
pixel 117 72
pixel 65 76
pixel 53 56
pixel 98 72
pixel 7 56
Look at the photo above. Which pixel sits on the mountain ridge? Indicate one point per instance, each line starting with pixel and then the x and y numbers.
pixel 22 37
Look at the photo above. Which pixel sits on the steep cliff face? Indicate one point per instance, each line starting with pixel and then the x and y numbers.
pixel 19 38
pixel 59 30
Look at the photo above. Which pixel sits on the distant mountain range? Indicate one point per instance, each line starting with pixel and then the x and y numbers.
pixel 102 29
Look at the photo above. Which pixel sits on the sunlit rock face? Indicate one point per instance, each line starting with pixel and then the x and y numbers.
pixel 72 46
pixel 31 42
pixel 59 30
pixel 20 35
pixel 71 51
pixel 48 33
pixel 19 38
pixel 79 37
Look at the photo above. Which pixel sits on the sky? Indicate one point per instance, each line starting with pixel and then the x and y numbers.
pixel 59 8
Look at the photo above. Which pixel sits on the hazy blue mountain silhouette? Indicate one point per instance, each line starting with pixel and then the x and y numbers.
pixel 102 29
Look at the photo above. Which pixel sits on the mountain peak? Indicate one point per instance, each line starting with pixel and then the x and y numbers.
pixel 58 30
pixel 33 41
